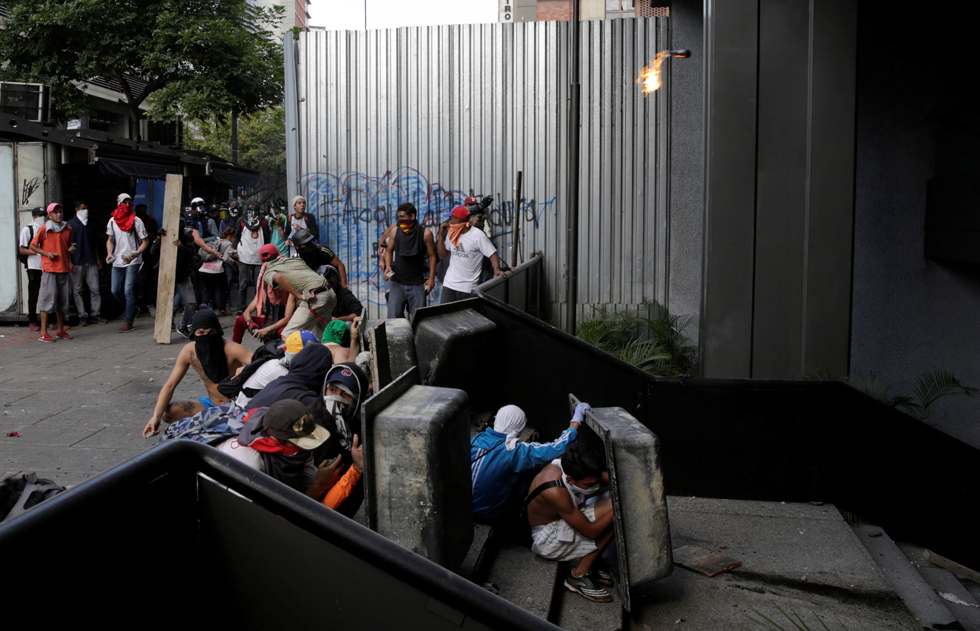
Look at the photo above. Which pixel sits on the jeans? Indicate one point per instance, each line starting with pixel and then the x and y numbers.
pixel 451 295
pixel 86 274
pixel 403 298
pixel 124 288
pixel 247 274
pixel 33 291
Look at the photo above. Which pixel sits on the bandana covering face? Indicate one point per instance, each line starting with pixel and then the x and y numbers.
pixel 456 231
pixel 82 216
pixel 511 421
pixel 210 349
pixel 406 226
pixel 124 216
pixel 38 222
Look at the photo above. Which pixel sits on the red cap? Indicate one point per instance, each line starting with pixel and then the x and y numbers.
pixel 268 252
pixel 470 200
pixel 460 212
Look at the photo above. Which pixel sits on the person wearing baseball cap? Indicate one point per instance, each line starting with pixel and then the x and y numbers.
pixel 127 239
pixel 278 441
pixel 33 263
pixel 466 248
pixel 315 301
pixel 54 242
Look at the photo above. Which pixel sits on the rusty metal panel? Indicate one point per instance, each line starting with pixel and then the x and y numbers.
pixel 433 114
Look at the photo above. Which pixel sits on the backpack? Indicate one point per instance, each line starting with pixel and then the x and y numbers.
pixel 17 494
pixel 212 242
pixel 23 257
pixel 231 385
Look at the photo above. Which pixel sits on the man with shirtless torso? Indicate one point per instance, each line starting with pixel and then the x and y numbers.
pixel 212 356
pixel 565 527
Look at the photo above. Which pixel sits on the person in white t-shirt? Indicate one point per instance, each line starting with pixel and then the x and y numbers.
pixel 125 245
pixel 466 246
pixel 34 271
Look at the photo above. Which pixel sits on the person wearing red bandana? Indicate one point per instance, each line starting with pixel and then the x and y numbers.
pixel 127 240
pixel 405 264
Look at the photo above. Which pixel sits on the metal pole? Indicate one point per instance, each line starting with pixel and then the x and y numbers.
pixel 517 218
pixel 574 111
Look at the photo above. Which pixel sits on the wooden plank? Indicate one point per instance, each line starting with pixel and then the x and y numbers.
pixel 704 561
pixel 952 566
pixel 168 259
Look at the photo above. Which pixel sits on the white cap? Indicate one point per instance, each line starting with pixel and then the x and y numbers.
pixel 123 196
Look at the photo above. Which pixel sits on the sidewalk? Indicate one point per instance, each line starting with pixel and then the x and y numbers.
pixel 80 405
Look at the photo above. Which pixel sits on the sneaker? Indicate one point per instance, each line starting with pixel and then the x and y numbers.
pixel 586 588
pixel 185 331
pixel 46 338
pixel 97 320
pixel 64 335
pixel 126 327
pixel 602 576
pixel 34 327
pixel 83 322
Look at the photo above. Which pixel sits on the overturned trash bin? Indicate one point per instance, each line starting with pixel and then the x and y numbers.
pixel 417 468
pixel 639 503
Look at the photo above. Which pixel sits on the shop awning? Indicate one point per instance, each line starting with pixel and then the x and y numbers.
pixel 233 175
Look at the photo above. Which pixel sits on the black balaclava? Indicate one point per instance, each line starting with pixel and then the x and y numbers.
pixel 210 349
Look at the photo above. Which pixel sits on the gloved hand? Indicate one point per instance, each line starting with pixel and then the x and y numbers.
pixel 580 409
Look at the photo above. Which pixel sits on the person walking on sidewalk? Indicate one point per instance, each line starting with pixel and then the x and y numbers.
pixel 53 242
pixel 125 245
pixel 87 265
pixel 33 264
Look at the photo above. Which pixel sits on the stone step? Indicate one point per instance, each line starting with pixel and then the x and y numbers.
pixel 927 607
pixel 942 581
pixel 524 579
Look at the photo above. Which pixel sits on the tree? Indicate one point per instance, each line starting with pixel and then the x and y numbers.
pixel 261 145
pixel 194 58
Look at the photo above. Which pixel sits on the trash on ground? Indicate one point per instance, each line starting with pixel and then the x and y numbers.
pixel 13 434
pixel 956 600
pixel 704 561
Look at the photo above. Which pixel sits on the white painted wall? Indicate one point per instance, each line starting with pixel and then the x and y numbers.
pixel 8 228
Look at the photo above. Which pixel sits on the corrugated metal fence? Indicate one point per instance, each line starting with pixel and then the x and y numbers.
pixel 432 114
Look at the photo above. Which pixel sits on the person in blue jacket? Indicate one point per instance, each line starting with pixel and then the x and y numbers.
pixel 497 458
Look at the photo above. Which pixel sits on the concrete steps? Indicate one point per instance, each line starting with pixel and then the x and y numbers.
pixel 921 584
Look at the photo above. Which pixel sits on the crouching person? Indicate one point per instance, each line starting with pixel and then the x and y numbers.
pixel 497 458
pixel 568 524
pixel 278 441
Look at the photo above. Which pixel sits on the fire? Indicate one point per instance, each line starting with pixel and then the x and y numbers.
pixel 650 77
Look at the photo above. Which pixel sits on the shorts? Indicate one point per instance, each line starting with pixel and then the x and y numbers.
pixel 55 292
pixel 545 541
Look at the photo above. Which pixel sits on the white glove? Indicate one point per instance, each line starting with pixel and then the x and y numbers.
pixel 580 410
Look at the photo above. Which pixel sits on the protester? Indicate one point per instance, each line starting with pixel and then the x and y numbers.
pixel 257 325
pixel 300 220
pixel 212 272
pixel 315 300
pixel 32 262
pixel 233 213
pixel 212 356
pixel 278 228
pixel 405 264
pixel 348 306
pixel 315 256
pixel 125 245
pixel 53 241
pixel 252 233
pixel 568 524
pixel 466 247
pixel 271 369
pixel 87 264
pixel 497 457
pixel 342 339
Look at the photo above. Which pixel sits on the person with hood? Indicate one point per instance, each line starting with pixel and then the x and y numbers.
pixel 127 238
pixel 213 358
pixel 301 220
pixel 251 234
pixel 33 264
pixel 497 457
pixel 278 440
pixel 53 241
pixel 413 252
pixel 272 369
pixel 87 264
pixel 466 248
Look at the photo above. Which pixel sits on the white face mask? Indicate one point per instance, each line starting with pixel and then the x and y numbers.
pixel 342 410
pixel 38 222
pixel 82 215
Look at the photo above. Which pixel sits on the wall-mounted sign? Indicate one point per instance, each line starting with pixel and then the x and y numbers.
pixel 506 11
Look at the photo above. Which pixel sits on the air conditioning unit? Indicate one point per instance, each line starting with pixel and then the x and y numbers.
pixel 27 100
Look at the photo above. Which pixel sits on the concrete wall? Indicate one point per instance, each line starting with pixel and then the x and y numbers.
pixel 910 314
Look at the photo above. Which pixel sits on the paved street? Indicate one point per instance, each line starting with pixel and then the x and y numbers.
pixel 80 405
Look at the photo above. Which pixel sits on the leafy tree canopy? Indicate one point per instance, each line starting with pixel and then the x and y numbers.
pixel 261 145
pixel 194 58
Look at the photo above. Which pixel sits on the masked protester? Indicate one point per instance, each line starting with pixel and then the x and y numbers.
pixel 301 220
pixel 32 262
pixel 127 239
pixel 212 356
pixel 411 255
pixel 316 256
pixel 251 234
pixel 466 247
pixel 87 265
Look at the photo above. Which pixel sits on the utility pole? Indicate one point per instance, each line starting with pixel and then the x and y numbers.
pixel 574 113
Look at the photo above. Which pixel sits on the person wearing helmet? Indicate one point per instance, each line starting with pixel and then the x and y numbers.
pixel 315 256
pixel 300 220
pixel 251 234
pixel 189 215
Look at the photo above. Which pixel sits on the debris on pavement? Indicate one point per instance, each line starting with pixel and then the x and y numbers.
pixel 704 561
